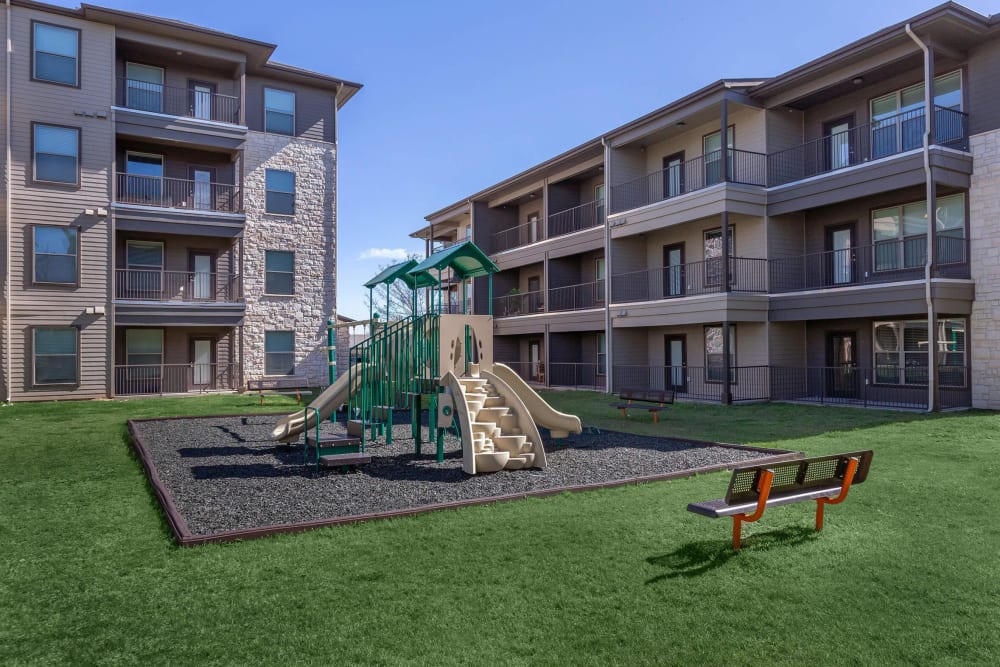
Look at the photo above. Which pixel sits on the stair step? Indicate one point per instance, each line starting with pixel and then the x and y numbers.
pixel 495 401
pixel 509 443
pixel 492 414
pixel 491 461
pixel 336 460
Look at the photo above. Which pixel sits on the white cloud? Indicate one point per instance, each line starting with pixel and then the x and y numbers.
pixel 395 254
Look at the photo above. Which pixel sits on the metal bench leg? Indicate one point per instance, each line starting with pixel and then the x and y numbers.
pixel 624 413
pixel 763 491
pixel 656 416
pixel 852 467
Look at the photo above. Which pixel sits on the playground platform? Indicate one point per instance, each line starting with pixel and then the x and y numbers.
pixel 223 478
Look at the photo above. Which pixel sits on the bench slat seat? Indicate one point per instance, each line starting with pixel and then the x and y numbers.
pixel 752 489
pixel 650 400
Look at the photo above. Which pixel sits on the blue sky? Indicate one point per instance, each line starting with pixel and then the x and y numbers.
pixel 460 94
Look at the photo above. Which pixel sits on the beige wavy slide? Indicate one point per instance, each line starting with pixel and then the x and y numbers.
pixel 559 424
pixel 289 428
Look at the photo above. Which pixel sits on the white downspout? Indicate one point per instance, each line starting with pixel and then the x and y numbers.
pixel 928 298
pixel 7 183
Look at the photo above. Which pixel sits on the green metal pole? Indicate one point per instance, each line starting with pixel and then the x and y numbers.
pixel 491 295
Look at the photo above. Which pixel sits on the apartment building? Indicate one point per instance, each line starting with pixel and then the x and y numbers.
pixel 769 239
pixel 170 197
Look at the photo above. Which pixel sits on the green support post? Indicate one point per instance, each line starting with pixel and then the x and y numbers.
pixel 331 349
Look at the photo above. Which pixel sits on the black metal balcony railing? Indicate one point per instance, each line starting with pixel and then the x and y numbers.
pixel 706 277
pixel 145 379
pixel 185 286
pixel 561 374
pixel 885 261
pixel 689 176
pixel 845 385
pixel 515 237
pixel 578 218
pixel 871 141
pixel 177 101
pixel 178 193
pixel 518 304
pixel 577 297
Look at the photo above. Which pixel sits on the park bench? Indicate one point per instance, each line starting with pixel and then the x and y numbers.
pixel 652 400
pixel 285 386
pixel 752 489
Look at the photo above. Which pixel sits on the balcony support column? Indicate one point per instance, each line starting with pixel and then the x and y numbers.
pixel 727 345
pixel 724 142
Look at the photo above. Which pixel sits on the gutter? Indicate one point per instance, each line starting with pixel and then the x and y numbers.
pixel 608 347
pixel 932 373
pixel 7 208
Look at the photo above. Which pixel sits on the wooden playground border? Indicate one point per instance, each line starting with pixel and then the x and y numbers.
pixel 185 537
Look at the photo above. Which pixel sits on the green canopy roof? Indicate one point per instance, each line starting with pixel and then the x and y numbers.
pixel 465 260
pixel 396 272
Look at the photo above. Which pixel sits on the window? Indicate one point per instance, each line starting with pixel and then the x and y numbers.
pixel 279 111
pixel 279 272
pixel 143 271
pixel 713 255
pixel 714 364
pixel 55 355
pixel 711 146
pixel 900 352
pixel 279 352
pixel 57 153
pixel 55 54
pixel 280 192
pixel 898 118
pixel 899 234
pixel 56 255
pixel 599 269
pixel 144 87
pixel 144 179
pixel 602 354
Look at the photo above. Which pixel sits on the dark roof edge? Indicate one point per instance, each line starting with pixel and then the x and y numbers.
pixel 935 13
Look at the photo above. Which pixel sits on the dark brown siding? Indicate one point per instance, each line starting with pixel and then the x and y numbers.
pixel 313 108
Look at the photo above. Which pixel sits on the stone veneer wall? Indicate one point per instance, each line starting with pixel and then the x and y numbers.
pixel 984 233
pixel 310 233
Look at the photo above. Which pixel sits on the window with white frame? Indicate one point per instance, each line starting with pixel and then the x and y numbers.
pixel 55 54
pixel 900 351
pixel 279 111
pixel 279 352
pixel 279 272
pixel 715 366
pixel 56 255
pixel 899 233
pixel 55 355
pixel 898 117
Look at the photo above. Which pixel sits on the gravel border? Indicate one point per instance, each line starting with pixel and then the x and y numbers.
pixel 222 478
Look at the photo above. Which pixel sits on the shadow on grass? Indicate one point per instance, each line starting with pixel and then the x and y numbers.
pixel 696 558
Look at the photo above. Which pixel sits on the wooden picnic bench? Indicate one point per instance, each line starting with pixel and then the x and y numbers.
pixel 651 400
pixel 297 385
pixel 752 489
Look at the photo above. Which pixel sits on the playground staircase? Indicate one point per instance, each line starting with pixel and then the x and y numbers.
pixel 497 439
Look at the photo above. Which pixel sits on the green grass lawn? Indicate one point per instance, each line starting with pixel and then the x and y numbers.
pixel 906 572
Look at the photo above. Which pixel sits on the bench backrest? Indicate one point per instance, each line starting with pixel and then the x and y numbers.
pixel 290 382
pixel 649 395
pixel 799 475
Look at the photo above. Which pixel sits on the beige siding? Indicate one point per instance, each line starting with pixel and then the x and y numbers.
pixel 748 135
pixel 785 235
pixel 63 205
pixel 748 239
pixel 784 129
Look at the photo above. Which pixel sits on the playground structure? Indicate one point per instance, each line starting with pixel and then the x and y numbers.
pixel 440 361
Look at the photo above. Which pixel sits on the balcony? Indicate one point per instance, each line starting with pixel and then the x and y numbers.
pixel 158 379
pixel 515 237
pixel 177 286
pixel 194 103
pixel 884 262
pixel 577 297
pixel 178 193
pixel 569 375
pixel 515 304
pixel 193 116
pixel 704 171
pixel 747 275
pixel 879 139
pixel 578 218
pixel 151 297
